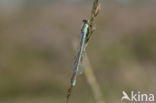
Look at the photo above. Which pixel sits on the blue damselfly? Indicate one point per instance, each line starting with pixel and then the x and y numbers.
pixel 80 55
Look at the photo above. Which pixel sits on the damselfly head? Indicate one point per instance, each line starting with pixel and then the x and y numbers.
pixel 85 21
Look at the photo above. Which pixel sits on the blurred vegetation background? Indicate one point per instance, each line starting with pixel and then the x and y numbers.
pixel 36 53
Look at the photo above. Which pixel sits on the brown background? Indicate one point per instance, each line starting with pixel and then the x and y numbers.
pixel 36 53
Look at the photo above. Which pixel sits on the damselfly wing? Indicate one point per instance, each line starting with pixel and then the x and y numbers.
pixel 81 64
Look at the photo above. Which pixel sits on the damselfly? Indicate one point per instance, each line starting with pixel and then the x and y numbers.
pixel 79 58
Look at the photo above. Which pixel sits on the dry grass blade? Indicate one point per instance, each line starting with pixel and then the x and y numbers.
pixel 69 93
pixel 95 10
pixel 91 78
pixel 94 13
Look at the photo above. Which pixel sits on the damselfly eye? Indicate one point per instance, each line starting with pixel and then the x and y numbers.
pixel 84 20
